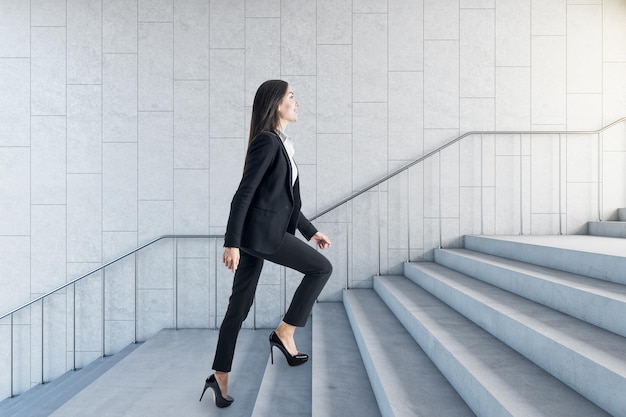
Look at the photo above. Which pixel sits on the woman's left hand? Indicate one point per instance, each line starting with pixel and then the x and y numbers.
pixel 321 240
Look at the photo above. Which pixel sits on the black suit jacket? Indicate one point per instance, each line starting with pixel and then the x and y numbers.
pixel 265 205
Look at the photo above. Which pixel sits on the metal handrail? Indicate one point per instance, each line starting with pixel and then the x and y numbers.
pixel 334 206
pixel 342 202
pixel 452 142
pixel 101 267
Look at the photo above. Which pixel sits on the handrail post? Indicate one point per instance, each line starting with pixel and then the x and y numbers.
pixel 560 189
pixel 440 211
pixel 408 215
pixel 600 176
pixel 42 343
pixel 378 227
pixel 103 313
pixel 135 312
pixel 521 187
pixel 482 184
pixel 74 327
pixel 176 283
pixel 215 287
pixel 348 259
pixel 12 393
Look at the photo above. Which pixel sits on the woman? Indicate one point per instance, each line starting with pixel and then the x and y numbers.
pixel 264 215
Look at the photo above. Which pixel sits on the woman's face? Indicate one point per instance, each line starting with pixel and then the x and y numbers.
pixel 288 108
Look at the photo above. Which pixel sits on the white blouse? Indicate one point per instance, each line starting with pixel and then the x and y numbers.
pixel 288 144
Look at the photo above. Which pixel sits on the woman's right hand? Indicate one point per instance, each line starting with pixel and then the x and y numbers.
pixel 231 258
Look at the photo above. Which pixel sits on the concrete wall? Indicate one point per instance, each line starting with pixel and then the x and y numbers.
pixel 122 120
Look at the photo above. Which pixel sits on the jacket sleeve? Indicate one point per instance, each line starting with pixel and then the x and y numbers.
pixel 261 153
pixel 306 227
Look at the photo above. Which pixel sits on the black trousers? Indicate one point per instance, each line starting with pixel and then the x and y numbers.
pixel 292 253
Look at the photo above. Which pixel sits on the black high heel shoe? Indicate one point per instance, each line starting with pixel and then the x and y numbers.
pixel 220 401
pixel 292 360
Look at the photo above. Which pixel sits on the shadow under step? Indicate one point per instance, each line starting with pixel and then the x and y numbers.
pixel 601 303
pixel 341 387
pixel 492 378
pixel 404 380
pixel 593 256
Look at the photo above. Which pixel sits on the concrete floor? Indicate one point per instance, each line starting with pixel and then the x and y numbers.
pixel 165 377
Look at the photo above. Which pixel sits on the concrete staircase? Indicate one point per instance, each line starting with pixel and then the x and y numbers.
pixel 505 326
pixel 516 325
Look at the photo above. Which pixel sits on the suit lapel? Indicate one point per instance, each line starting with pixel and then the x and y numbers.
pixel 288 162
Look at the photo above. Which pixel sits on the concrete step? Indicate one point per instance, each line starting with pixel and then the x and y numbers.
pixel 621 214
pixel 593 256
pixel 404 380
pixel 590 360
pixel 608 228
pixel 341 387
pixel 165 376
pixel 595 301
pixel 286 390
pixel 44 399
pixel 491 377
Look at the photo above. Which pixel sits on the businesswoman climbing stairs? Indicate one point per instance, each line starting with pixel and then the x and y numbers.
pixel 264 215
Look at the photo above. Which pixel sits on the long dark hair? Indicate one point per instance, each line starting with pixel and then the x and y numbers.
pixel 265 107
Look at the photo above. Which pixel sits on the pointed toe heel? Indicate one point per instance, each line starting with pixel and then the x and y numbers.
pixel 293 360
pixel 220 401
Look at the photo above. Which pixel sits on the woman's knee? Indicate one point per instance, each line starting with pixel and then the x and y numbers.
pixel 319 267
pixel 326 268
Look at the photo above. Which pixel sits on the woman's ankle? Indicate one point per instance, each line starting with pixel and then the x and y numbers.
pixel 222 381
pixel 285 330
